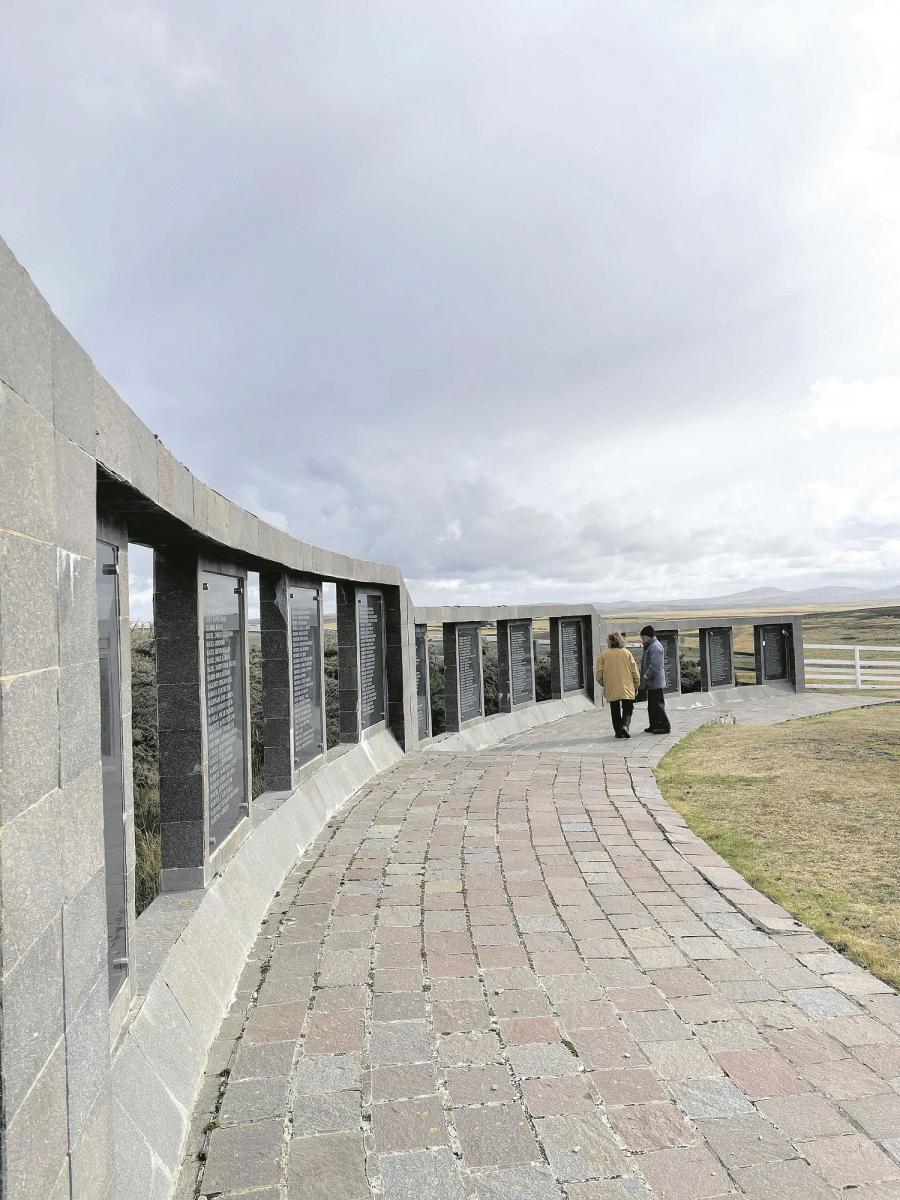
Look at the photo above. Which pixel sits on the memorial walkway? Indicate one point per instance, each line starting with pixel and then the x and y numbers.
pixel 516 973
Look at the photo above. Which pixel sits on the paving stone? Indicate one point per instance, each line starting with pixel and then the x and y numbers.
pixel 558 1096
pixel 335 1073
pixel 655 1026
pixel 849 1161
pixel 607 1047
pixel 681 1060
pixel 651 1126
pixel 794 1180
pixel 243 1157
pixel 745 1140
pixel 804 1116
pixel 409 1124
pixel 631 1086
pixel 479 1085
pixel 762 1073
pixel 326 1166
pixel 519 1031
pixel 495 1136
pixel 330 1113
pixel 400 1042
pixel 845 1079
pixel 543 1059
pixel 420 1174
pixel 710 1098
pixel 823 1002
pixel 399 1006
pixel 516 1183
pixel 403 1082
pixel 611 1189
pixel 334 1033
pixel 249 1100
pixel 263 1061
pixel 686 1174
pixel 460 1017
pixel 457 1048
pixel 879 1116
pixel 580 1147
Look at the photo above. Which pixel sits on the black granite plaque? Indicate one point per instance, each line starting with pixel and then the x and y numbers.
pixel 521 666
pixel 468 668
pixel 370 627
pixel 422 703
pixel 112 763
pixel 570 634
pixel 669 642
pixel 306 673
pixel 223 667
pixel 721 666
pixel 774 652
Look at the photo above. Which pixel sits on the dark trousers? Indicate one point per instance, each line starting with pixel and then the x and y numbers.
pixel 656 710
pixel 621 714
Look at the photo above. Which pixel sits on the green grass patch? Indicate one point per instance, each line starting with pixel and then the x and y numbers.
pixel 809 813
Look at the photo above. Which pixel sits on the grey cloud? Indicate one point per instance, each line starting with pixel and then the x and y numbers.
pixel 386 266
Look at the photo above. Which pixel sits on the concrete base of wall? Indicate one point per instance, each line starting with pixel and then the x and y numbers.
pixel 158 1066
pixel 728 697
pixel 495 729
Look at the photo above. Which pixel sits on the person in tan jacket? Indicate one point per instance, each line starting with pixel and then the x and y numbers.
pixel 618 673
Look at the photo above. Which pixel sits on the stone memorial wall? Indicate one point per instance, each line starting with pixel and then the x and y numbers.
pixel 717 658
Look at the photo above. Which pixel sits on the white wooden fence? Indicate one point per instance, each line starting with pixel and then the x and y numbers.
pixel 855 670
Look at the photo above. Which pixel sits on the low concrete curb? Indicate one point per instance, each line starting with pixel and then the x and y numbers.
pixel 504 725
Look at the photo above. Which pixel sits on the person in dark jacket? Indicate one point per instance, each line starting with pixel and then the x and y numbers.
pixel 653 681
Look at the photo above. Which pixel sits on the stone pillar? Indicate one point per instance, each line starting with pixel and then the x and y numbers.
pixel 555 660
pixel 716 658
pixel 348 662
pixel 398 672
pixel 594 641
pixel 277 693
pixel 423 684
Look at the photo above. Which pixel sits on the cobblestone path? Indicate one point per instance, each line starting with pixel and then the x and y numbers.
pixel 517 974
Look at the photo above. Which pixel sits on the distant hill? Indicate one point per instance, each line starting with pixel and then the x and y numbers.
pixel 761 597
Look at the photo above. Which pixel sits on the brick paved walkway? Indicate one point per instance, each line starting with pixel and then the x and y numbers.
pixel 517 974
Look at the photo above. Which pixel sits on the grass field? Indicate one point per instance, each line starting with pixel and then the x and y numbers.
pixel 809 813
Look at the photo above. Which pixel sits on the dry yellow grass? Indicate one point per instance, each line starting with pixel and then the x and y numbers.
pixel 809 813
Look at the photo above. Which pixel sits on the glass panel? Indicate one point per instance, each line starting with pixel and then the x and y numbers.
pixel 370 624
pixel 422 679
pixel 111 758
pixel 223 664
pixel 521 669
pixel 572 667
pixel 306 673
pixel 468 669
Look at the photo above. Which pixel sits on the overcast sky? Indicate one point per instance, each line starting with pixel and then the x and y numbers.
pixel 557 300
